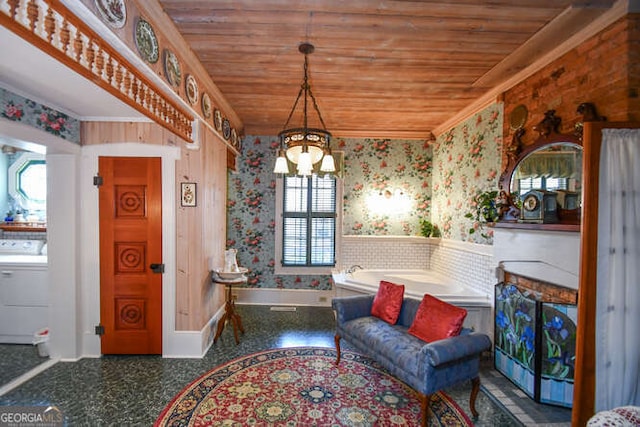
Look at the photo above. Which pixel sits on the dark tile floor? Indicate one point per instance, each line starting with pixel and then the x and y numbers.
pixel 132 390
pixel 17 359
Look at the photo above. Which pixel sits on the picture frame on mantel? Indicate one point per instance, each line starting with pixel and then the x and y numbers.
pixel 188 194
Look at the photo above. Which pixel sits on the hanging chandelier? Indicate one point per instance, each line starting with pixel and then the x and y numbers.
pixel 305 146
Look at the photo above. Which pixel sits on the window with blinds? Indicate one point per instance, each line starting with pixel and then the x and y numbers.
pixel 544 183
pixel 309 221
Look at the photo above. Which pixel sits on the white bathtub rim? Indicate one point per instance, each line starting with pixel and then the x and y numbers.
pixel 470 297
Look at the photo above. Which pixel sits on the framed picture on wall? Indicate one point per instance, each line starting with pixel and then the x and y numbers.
pixel 188 194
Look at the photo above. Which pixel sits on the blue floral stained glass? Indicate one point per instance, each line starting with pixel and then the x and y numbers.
pixel 535 344
pixel 558 353
pixel 515 336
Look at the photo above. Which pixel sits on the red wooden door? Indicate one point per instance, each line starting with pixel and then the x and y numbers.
pixel 130 242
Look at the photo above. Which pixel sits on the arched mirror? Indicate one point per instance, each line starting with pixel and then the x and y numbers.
pixel 552 168
pixel 542 183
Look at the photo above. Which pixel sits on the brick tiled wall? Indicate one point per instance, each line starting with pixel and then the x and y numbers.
pixel 385 252
pixel 467 263
pixel 604 70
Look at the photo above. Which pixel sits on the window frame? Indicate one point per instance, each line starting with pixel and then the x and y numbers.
pixel 297 269
pixel 564 184
pixel 17 168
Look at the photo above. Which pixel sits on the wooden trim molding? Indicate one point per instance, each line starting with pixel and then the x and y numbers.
pixel 548 292
pixel 54 29
pixel 24 226
pixel 231 160
pixel 585 376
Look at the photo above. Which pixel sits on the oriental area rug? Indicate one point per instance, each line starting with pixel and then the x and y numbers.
pixel 304 387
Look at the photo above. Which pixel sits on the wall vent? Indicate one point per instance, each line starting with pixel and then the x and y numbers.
pixel 281 308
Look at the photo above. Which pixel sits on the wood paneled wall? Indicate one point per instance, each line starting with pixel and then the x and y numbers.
pixel 92 133
pixel 201 232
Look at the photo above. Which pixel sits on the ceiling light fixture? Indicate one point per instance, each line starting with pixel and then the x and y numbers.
pixel 305 146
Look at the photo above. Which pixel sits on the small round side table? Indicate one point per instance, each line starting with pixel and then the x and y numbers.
pixel 230 313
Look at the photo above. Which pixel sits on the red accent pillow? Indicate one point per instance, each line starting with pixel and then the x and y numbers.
pixel 388 302
pixel 436 320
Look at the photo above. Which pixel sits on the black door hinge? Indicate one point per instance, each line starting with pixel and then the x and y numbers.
pixel 99 330
pixel 98 180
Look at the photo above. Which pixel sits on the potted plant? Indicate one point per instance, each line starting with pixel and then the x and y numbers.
pixel 485 209
pixel 428 229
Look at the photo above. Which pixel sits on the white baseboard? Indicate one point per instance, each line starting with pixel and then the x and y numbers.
pixel 192 344
pixel 27 376
pixel 300 297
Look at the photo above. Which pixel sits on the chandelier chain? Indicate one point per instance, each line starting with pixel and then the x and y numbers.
pixel 307 89
pixel 313 98
pixel 295 104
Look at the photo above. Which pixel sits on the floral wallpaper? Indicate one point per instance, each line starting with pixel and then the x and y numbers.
pixel 371 167
pixel 19 109
pixel 467 161
pixel 389 186
pixel 251 218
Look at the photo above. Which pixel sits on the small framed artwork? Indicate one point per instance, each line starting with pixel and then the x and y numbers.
pixel 188 194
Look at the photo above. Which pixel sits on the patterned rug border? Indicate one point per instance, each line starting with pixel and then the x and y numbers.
pixel 222 372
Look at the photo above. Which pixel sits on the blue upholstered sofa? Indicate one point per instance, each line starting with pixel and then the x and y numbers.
pixel 425 367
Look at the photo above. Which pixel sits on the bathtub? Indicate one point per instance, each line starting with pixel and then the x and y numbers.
pixel 416 284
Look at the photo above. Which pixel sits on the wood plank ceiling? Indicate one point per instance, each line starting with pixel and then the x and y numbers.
pixel 380 68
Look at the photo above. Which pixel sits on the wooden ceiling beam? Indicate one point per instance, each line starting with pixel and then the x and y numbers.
pixel 267 23
pixel 543 9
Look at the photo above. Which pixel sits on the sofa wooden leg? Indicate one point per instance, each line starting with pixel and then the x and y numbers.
pixel 474 393
pixel 425 399
pixel 336 338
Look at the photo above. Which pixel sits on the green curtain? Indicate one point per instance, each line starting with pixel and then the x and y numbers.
pixel 550 164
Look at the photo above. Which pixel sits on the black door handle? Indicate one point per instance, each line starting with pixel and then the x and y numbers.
pixel 157 268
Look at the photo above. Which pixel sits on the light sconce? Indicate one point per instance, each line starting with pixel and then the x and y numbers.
pixel 388 202
pixel 305 146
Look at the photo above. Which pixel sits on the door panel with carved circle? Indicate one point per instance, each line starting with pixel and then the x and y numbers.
pixel 130 241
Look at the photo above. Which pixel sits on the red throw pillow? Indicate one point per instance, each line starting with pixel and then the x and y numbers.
pixel 437 320
pixel 388 302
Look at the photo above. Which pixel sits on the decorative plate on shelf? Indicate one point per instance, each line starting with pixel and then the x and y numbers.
pixel 234 138
pixel 518 117
pixel 172 69
pixel 191 87
pixel 217 120
pixel 146 41
pixel 226 129
pixel 113 12
pixel 206 105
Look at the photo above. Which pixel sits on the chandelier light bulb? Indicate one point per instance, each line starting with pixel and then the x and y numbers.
pixel 328 163
pixel 305 167
pixel 281 165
